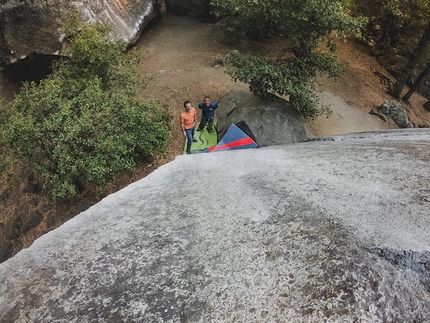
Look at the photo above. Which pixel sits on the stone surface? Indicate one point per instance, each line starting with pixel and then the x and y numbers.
pixel 219 32
pixel 192 8
pixel 321 231
pixel 272 121
pixel 394 110
pixel 36 26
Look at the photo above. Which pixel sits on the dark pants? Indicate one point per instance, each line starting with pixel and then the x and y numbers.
pixel 203 122
pixel 190 137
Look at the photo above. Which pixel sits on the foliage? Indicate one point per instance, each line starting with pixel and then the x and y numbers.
pixel 82 124
pixel 401 27
pixel 302 26
pixel 398 23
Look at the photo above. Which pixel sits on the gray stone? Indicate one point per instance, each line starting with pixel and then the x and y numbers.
pixel 319 231
pixel 191 8
pixel 13 228
pixel 51 221
pixel 31 221
pixel 36 26
pixel 272 121
pixel 220 32
pixel 6 251
pixel 394 110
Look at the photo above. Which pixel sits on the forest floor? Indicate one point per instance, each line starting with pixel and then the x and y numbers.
pixel 181 64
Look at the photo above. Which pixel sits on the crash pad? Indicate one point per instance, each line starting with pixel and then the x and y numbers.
pixel 205 140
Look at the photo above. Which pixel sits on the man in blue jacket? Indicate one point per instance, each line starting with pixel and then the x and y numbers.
pixel 208 113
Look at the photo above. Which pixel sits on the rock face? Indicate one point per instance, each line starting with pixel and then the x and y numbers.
pixel 322 231
pixel 35 26
pixel 272 121
pixel 192 8
pixel 394 110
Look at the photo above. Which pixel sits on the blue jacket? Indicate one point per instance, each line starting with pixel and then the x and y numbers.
pixel 208 112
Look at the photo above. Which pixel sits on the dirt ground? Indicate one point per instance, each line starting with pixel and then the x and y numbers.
pixel 181 65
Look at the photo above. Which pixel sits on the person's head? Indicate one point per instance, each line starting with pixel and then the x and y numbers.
pixel 187 105
pixel 207 101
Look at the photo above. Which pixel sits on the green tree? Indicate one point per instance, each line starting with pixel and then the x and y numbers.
pixel 414 58
pixel 399 26
pixel 301 26
pixel 83 124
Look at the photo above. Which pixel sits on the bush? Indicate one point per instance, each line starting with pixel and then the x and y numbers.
pixel 83 124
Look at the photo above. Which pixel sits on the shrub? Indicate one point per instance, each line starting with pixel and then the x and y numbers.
pixel 83 124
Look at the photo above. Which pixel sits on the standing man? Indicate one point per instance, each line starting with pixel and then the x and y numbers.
pixel 188 119
pixel 208 113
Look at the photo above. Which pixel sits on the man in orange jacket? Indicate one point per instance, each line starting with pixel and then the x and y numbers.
pixel 188 119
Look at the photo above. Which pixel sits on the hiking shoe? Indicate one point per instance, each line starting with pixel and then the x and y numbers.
pixel 188 152
pixel 194 140
pixel 209 130
pixel 198 129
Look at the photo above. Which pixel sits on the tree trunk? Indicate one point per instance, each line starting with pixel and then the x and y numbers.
pixel 420 77
pixel 413 59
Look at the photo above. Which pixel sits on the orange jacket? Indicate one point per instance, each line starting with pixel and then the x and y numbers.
pixel 188 118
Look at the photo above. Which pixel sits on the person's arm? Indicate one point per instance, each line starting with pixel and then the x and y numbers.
pixel 183 129
pixel 215 105
pixel 181 120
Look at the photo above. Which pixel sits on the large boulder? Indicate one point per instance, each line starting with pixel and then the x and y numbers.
pixel 36 26
pixel 192 8
pixel 394 110
pixel 321 231
pixel 273 121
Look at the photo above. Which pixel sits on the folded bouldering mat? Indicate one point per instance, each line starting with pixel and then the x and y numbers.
pixel 234 138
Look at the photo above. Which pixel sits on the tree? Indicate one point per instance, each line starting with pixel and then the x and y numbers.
pixel 301 26
pixel 399 26
pixel 391 23
pixel 83 124
pixel 406 73
pixel 417 82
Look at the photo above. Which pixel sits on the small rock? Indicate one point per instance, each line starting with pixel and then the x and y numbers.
pixel 51 221
pixel 6 251
pixel 13 228
pixel 31 222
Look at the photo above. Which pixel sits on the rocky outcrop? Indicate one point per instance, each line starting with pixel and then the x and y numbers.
pixel 321 231
pixel 192 8
pixel 272 121
pixel 36 26
pixel 394 110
